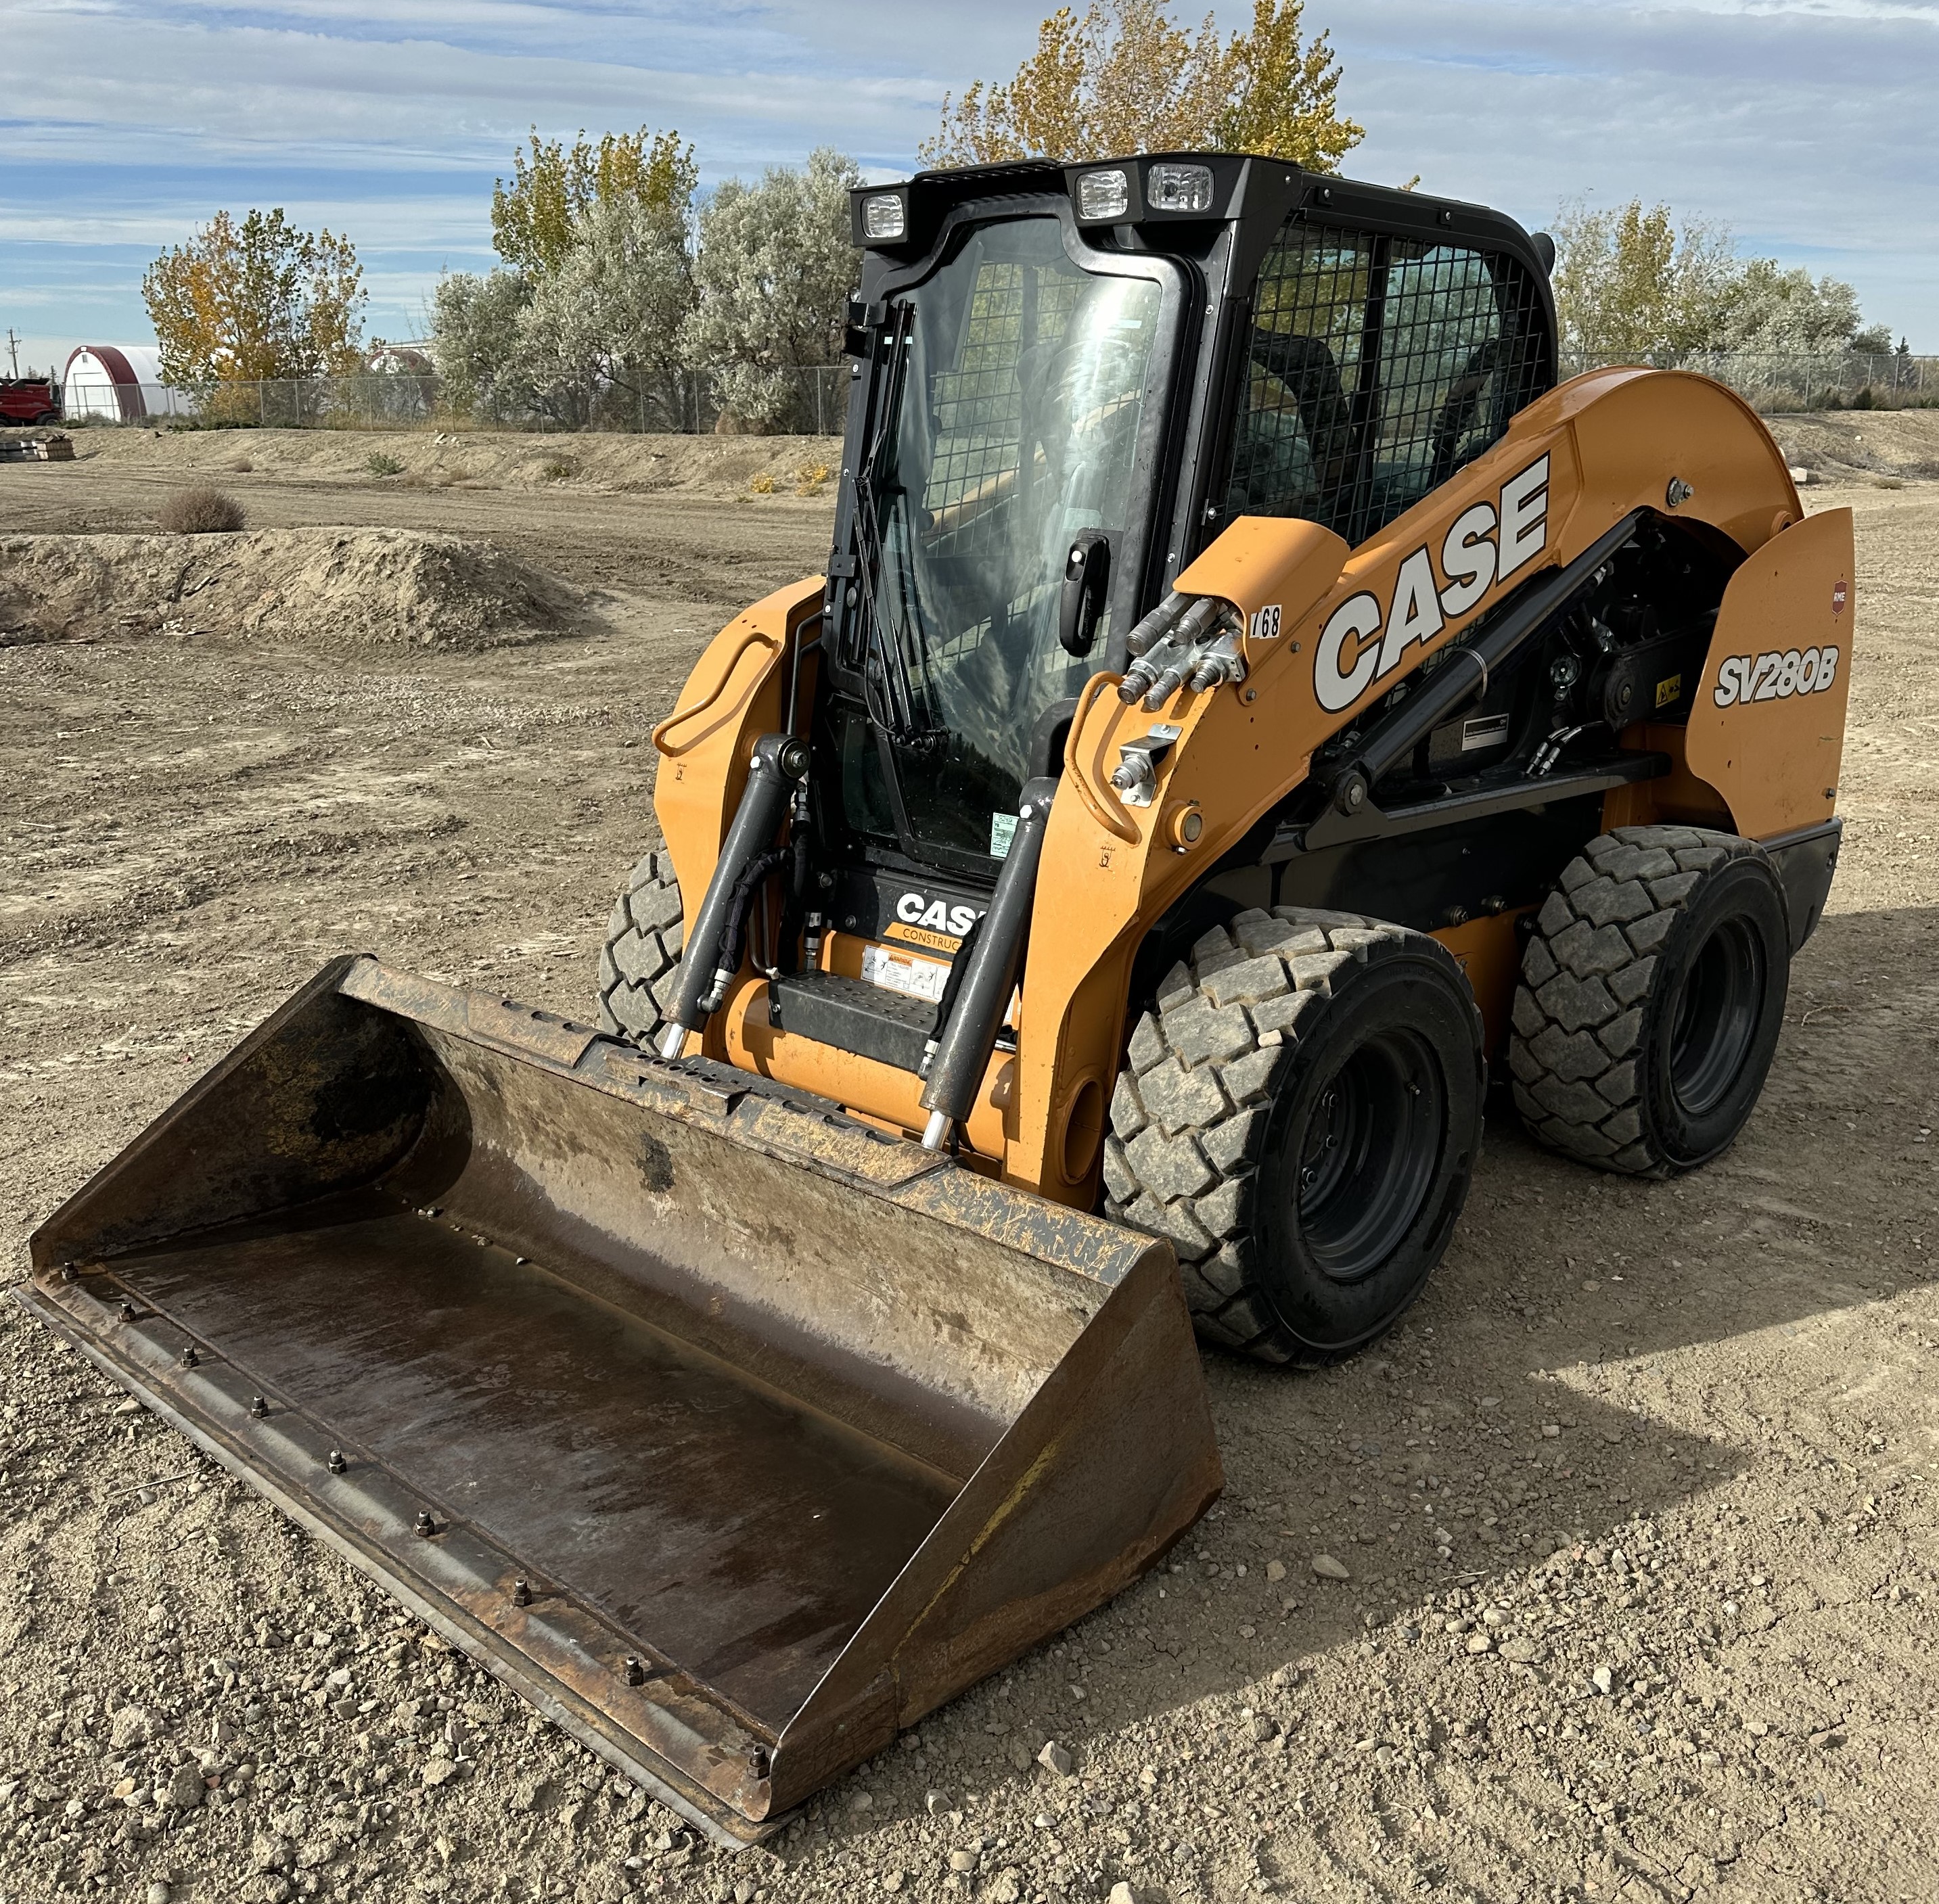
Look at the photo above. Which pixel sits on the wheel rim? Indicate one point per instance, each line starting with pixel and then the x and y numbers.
pixel 1372 1150
pixel 1714 1021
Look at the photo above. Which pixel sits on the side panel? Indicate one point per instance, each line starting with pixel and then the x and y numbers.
pixel 1572 465
pixel 1768 728
pixel 737 691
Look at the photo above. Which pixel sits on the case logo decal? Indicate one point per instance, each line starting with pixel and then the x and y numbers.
pixel 1485 546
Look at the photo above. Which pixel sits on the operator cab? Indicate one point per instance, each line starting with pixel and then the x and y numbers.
pixel 1066 380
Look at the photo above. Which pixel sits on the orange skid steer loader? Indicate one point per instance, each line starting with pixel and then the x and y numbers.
pixel 1250 703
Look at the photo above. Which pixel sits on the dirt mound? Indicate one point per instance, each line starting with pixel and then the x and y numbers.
pixel 1882 449
pixel 357 587
pixel 778 468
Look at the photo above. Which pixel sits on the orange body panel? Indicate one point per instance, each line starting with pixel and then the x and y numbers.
pixel 1768 730
pixel 1329 631
pixel 1489 953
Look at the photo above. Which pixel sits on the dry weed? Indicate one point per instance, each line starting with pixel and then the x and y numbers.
pixel 810 478
pixel 203 510
pixel 763 484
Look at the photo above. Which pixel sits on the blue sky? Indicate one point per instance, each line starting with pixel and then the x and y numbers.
pixel 1808 124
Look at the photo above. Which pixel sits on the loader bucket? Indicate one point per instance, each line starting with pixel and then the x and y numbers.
pixel 733 1433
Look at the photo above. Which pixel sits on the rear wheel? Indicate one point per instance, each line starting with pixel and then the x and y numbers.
pixel 1300 1115
pixel 641 958
pixel 1651 997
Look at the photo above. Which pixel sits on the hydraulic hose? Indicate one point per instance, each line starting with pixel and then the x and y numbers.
pixel 963 1044
pixel 779 760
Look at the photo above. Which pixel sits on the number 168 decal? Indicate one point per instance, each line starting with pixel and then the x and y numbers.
pixel 1775 677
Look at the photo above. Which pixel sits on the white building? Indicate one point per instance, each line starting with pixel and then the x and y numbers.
pixel 120 383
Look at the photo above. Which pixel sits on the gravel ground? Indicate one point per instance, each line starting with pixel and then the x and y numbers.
pixel 1609 1574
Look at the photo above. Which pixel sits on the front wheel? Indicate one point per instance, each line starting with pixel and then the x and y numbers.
pixel 1300 1115
pixel 639 965
pixel 1652 993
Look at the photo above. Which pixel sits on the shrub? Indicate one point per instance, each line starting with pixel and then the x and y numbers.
pixel 810 478
pixel 379 464
pixel 558 470
pixel 763 484
pixel 202 511
pixel 242 466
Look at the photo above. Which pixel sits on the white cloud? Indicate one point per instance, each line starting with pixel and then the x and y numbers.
pixel 1806 124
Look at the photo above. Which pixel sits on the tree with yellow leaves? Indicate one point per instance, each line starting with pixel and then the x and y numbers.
pixel 1126 78
pixel 255 300
pixel 537 218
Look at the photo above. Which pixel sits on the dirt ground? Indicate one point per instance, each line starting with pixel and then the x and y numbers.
pixel 1680 1441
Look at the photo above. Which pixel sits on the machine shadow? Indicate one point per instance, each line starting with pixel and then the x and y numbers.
pixel 1555 1267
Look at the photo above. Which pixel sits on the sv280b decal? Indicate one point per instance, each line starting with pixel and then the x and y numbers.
pixel 1774 677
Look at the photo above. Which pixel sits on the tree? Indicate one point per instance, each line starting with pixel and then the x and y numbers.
pixel 776 264
pixel 258 299
pixel 475 339
pixel 1632 285
pixel 535 219
pixel 1771 309
pixel 609 318
pixel 1125 78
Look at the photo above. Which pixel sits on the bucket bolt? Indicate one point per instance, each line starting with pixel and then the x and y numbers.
pixel 334 1462
pixel 425 1525
pixel 189 1357
pixel 70 1273
pixel 521 1593
pixel 758 1762
pixel 127 1310
pixel 636 1674
pixel 259 1405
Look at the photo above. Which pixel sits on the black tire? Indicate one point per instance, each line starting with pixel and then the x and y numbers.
pixel 1652 992
pixel 641 954
pixel 1300 1115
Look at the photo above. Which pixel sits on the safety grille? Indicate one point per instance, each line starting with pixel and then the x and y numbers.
pixel 1379 366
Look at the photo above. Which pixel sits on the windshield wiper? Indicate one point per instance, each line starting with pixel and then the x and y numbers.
pixel 889 688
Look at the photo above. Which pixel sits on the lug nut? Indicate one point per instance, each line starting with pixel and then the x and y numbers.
pixel 425 1525
pixel 189 1357
pixel 636 1674
pixel 521 1593
pixel 259 1405
pixel 334 1462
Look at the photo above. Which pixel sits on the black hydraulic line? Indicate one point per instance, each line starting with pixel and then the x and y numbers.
pixel 779 760
pixel 964 1043
pixel 1465 671
pixel 739 902
pixel 952 989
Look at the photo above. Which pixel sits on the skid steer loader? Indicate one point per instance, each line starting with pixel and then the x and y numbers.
pixel 1251 702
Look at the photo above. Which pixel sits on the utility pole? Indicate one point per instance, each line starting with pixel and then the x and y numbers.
pixel 14 349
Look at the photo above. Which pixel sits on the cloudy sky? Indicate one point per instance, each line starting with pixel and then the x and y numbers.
pixel 1808 124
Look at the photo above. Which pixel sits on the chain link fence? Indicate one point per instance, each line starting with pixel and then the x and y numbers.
pixel 1777 382
pixel 689 402
pixel 684 402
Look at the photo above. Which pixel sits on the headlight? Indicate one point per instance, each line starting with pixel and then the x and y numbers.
pixel 1178 188
pixel 884 217
pixel 1104 194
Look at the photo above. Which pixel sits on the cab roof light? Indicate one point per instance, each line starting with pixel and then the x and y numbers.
pixel 1177 188
pixel 884 218
pixel 1106 194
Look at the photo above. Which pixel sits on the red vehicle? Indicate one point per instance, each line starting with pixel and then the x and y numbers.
pixel 29 399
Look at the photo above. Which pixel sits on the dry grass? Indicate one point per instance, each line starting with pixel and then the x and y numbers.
pixel 203 510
